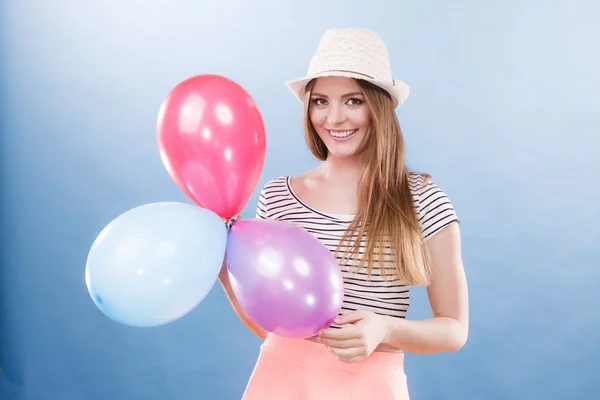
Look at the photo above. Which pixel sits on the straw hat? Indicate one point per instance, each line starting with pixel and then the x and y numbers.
pixel 353 53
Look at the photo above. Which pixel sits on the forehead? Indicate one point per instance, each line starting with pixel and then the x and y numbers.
pixel 335 86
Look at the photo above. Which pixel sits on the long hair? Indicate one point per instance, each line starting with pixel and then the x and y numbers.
pixel 386 222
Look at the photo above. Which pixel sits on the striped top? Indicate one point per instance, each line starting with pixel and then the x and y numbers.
pixel 386 297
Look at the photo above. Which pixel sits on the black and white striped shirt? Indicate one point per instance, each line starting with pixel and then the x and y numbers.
pixel 386 297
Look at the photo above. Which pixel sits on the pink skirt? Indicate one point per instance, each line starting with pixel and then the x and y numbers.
pixel 296 369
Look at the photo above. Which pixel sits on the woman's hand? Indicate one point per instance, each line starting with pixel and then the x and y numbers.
pixel 361 333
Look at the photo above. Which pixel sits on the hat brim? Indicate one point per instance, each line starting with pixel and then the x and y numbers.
pixel 398 90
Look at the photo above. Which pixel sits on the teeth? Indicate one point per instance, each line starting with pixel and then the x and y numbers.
pixel 342 134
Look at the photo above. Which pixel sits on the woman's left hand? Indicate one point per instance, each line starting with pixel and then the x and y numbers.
pixel 363 332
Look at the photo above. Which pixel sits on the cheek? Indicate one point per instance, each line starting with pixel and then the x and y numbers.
pixel 317 118
pixel 362 118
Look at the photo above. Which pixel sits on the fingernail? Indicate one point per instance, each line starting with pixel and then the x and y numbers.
pixel 337 320
pixel 320 333
pixel 318 339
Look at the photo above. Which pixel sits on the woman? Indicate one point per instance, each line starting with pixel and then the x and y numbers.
pixel 408 230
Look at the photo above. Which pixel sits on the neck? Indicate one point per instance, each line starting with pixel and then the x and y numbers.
pixel 342 170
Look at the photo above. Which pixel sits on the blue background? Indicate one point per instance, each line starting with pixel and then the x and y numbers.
pixel 504 113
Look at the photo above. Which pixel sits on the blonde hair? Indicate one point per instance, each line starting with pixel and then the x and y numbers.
pixel 385 204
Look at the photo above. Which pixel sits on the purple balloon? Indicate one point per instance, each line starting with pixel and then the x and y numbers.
pixel 287 281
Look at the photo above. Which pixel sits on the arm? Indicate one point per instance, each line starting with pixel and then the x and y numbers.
pixel 447 331
pixel 448 296
pixel 254 327
pixel 261 212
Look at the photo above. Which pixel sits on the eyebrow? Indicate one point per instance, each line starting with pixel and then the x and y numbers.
pixel 346 95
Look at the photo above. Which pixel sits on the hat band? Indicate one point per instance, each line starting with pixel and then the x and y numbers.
pixel 352 72
pixel 347 71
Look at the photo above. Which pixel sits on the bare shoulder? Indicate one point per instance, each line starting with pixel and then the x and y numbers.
pixel 305 181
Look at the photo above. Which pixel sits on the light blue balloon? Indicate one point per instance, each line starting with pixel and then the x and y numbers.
pixel 155 263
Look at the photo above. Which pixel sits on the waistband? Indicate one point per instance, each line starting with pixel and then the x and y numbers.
pixel 318 355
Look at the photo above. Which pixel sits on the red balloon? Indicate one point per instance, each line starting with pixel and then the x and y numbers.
pixel 211 139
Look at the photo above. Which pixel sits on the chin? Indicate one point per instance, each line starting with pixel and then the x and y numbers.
pixel 344 150
pixel 342 153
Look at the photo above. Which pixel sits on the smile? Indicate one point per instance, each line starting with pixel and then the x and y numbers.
pixel 340 135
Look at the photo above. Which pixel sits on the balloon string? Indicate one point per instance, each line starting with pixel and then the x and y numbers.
pixel 231 221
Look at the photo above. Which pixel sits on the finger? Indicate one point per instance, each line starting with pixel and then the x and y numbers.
pixel 353 359
pixel 342 343
pixel 349 332
pixel 347 353
pixel 314 338
pixel 351 317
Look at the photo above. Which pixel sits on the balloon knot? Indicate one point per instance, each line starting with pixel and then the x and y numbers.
pixel 232 221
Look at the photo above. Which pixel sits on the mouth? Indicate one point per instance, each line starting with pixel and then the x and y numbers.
pixel 339 136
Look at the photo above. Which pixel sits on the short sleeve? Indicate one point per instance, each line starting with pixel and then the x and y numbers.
pixel 261 206
pixel 435 210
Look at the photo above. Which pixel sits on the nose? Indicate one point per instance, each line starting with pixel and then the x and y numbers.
pixel 336 115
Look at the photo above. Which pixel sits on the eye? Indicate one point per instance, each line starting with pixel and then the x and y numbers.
pixel 319 101
pixel 354 102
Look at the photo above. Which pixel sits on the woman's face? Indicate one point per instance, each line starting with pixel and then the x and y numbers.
pixel 340 115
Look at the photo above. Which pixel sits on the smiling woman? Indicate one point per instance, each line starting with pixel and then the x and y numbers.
pixel 339 115
pixel 388 227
